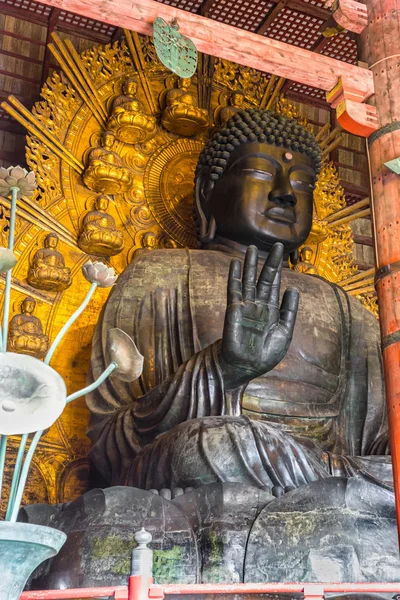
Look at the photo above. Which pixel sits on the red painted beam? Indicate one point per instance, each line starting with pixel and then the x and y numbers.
pixel 227 42
pixel 309 590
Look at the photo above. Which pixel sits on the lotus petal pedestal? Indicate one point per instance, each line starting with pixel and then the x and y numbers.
pixel 23 547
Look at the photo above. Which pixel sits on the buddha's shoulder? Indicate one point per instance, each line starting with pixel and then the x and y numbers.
pixel 317 289
pixel 181 258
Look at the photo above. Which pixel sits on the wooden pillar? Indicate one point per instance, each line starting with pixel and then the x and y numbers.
pixel 379 48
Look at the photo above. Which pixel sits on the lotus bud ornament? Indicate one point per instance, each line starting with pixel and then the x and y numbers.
pixel 16 177
pixel 7 260
pixel 99 273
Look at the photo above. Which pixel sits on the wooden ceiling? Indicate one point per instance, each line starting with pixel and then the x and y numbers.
pixel 25 62
pixel 25 27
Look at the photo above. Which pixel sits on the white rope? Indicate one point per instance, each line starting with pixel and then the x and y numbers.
pixel 382 59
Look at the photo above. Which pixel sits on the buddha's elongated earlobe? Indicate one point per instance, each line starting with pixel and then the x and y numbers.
pixel 209 235
pixel 203 189
pixel 294 256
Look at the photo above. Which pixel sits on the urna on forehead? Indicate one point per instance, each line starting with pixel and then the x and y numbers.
pixel 262 126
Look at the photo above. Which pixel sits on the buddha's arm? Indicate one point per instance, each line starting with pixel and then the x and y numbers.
pixel 194 390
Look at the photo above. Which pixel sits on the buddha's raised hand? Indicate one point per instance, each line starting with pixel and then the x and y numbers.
pixel 257 331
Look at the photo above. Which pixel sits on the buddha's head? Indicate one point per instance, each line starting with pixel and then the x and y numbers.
pixel 149 241
pixel 130 87
pixel 184 83
pixel 108 139
pixel 255 180
pixel 237 99
pixel 306 254
pixel 51 241
pixel 102 203
pixel 28 306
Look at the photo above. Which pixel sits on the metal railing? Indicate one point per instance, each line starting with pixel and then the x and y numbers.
pixel 141 586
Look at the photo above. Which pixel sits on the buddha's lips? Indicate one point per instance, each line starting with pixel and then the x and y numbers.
pixel 279 213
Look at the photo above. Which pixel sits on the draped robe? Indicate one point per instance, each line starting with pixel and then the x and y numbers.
pixel 320 412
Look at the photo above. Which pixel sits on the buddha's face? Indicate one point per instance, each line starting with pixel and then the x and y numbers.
pixel 264 196
pixel 130 88
pixel 108 140
pixel 306 255
pixel 184 83
pixel 102 203
pixel 28 306
pixel 150 241
pixel 51 242
pixel 237 100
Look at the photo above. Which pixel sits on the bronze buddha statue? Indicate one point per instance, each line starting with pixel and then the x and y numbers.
pixel 48 271
pixel 99 235
pixel 305 265
pixel 182 114
pixel 26 332
pixel 105 172
pixel 128 119
pixel 258 424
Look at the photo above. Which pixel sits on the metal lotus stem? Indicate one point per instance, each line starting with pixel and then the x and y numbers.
pixel 3 447
pixel 70 322
pixel 13 507
pixel 94 385
pixel 15 500
pixel 6 308
pixel 16 474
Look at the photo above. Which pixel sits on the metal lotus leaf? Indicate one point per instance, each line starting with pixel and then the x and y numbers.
pixel 16 177
pixel 175 51
pixel 122 350
pixel 32 394
pixel 99 273
pixel 7 260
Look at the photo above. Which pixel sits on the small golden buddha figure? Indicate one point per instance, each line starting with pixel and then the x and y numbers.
pixel 26 332
pixel 99 232
pixel 182 114
pixel 305 265
pixel 128 118
pixel 149 242
pixel 48 271
pixel 105 171
pixel 235 104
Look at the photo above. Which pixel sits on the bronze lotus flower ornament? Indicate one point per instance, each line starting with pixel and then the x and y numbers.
pixel 16 177
pixel 122 350
pixel 7 260
pixel 99 273
pixel 32 394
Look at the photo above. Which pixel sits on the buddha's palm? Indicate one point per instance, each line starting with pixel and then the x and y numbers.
pixel 257 331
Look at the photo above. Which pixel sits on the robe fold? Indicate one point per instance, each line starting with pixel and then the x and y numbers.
pixel 323 402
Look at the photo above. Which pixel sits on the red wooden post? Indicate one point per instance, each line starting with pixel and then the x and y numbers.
pixel 379 47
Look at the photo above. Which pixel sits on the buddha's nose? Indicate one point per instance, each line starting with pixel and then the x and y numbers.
pixel 282 193
pixel 282 197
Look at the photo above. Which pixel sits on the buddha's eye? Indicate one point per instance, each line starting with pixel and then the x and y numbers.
pixel 302 186
pixel 261 174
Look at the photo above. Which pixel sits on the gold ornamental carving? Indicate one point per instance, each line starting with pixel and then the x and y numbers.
pixel 115 122
pixel 168 186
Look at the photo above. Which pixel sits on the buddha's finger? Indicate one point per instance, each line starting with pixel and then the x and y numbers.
pixel 234 282
pixel 269 280
pixel 250 274
pixel 288 310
